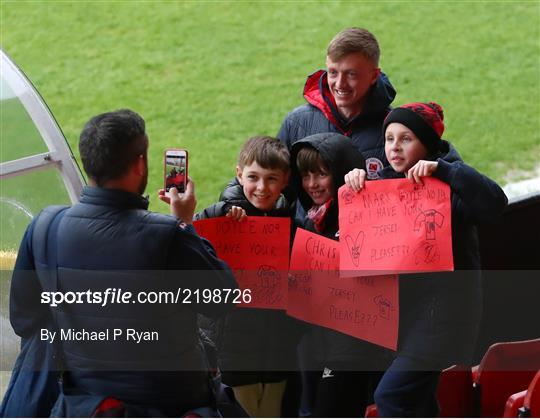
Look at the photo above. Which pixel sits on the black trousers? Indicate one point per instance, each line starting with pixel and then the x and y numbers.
pixel 344 393
pixel 408 390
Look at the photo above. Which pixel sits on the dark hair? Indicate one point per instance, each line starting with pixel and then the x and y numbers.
pixel 354 40
pixel 268 152
pixel 309 159
pixel 110 142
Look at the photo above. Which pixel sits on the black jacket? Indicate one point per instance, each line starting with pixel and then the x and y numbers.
pixel 254 345
pixel 440 312
pixel 233 195
pixel 320 115
pixel 110 241
pixel 334 349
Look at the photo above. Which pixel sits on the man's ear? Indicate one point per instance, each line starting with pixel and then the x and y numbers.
pixel 140 165
pixel 239 174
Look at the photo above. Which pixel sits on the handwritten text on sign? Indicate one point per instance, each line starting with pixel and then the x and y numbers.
pixel 257 250
pixel 395 226
pixel 363 307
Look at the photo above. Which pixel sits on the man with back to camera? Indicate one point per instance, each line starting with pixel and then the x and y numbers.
pixel 352 97
pixel 110 241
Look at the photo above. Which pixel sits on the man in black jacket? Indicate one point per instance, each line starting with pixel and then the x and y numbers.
pixel 144 352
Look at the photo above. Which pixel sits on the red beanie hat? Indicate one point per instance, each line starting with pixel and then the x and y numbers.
pixel 425 120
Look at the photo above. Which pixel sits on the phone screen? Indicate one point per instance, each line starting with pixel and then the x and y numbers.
pixel 176 170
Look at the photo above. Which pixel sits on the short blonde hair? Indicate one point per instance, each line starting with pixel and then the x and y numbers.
pixel 354 40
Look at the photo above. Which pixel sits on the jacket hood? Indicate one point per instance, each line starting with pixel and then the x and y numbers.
pixel 317 93
pixel 337 151
pixel 446 152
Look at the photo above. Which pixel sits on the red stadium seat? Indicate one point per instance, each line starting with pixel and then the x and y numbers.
pixel 514 403
pixel 532 398
pixel 371 411
pixel 454 393
pixel 505 369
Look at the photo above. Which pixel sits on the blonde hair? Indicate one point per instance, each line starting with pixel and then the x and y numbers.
pixel 354 40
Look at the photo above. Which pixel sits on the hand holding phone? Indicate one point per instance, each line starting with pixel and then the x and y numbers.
pixel 175 169
pixel 182 206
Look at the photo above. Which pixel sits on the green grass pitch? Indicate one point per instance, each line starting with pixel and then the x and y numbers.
pixel 207 75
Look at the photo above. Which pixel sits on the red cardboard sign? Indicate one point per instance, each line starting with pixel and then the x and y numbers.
pixel 363 307
pixel 395 226
pixel 257 250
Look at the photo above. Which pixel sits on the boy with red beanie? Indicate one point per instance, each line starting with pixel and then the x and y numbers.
pixel 439 312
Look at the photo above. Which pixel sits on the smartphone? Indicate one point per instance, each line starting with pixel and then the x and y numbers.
pixel 176 169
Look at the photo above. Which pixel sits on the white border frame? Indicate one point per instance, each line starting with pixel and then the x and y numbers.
pixel 59 155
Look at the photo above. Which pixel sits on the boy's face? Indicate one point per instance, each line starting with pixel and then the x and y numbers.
pixel 318 185
pixel 262 187
pixel 403 149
